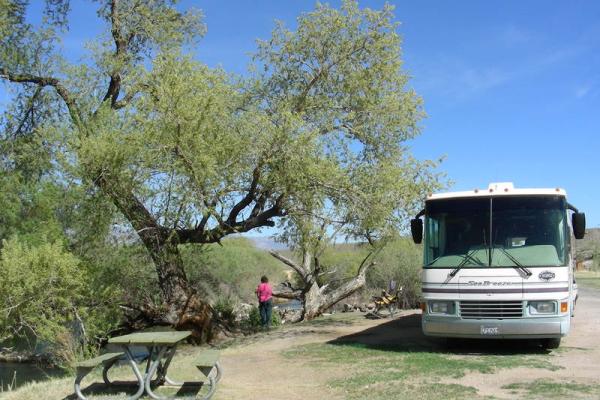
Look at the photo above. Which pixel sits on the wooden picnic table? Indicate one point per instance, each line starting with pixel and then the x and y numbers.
pixel 161 349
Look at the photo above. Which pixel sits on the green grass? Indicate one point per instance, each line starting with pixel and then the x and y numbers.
pixel 401 390
pixel 588 279
pixel 380 372
pixel 545 389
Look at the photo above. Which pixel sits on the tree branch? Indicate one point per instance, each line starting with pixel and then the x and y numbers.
pixel 287 294
pixel 296 267
pixel 43 81
pixel 348 288
pixel 151 233
pixel 114 86
pixel 246 200
pixel 215 234
pixel 124 101
pixel 304 94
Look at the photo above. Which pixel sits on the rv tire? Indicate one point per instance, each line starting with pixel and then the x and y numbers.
pixel 551 343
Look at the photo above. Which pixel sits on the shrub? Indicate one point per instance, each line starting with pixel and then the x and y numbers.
pixel 399 261
pixel 252 323
pixel 225 308
pixel 40 290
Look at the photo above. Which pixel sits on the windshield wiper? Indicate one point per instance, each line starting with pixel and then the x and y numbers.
pixel 466 258
pixel 432 261
pixel 518 266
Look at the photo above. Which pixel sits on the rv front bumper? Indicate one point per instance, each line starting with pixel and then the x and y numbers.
pixel 521 328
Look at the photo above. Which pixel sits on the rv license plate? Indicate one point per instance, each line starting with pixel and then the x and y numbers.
pixel 487 330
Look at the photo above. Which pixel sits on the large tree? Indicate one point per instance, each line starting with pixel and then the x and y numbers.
pixel 191 154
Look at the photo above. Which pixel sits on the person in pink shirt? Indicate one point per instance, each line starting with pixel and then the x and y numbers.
pixel 264 293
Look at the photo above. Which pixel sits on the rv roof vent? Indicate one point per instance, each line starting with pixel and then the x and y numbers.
pixel 501 186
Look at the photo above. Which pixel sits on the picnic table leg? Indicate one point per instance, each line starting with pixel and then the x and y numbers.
pixel 218 372
pixel 169 356
pixel 137 373
pixel 214 376
pixel 154 364
pixel 81 373
pixel 160 365
pixel 171 382
pixel 105 369
pixel 213 388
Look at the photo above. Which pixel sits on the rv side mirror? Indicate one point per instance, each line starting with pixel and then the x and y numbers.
pixel 416 228
pixel 578 220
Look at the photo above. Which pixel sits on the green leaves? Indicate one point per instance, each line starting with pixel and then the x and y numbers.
pixel 341 70
pixel 38 290
pixel 319 131
pixel 339 74
pixel 146 26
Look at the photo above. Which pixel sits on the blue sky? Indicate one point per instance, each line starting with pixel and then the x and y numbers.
pixel 511 88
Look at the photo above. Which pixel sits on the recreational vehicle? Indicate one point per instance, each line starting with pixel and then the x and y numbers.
pixel 499 263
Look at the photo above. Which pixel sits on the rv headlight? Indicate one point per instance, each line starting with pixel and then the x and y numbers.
pixel 542 307
pixel 441 307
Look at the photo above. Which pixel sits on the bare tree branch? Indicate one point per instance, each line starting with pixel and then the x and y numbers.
pixel 296 267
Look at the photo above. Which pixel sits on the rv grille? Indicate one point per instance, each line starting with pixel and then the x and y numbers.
pixel 491 309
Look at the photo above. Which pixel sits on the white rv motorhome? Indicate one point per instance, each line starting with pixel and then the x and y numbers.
pixel 499 263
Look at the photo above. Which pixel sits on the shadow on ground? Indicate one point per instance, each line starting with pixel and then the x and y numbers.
pixel 404 334
pixel 188 390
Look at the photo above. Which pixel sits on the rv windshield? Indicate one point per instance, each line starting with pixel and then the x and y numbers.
pixel 503 231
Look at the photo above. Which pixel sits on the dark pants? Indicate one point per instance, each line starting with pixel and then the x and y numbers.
pixel 266 309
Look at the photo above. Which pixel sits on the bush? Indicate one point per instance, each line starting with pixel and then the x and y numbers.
pixel 400 261
pixel 225 308
pixel 40 291
pixel 252 323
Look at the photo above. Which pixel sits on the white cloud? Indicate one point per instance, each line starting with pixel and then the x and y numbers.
pixel 582 91
pixel 585 89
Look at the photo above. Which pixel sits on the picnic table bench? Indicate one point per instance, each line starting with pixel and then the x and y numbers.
pixel 206 363
pixel 161 349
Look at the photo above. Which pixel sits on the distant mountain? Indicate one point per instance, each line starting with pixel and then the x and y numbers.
pixel 267 243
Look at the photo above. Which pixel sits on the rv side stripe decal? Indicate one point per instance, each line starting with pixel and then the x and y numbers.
pixel 467 291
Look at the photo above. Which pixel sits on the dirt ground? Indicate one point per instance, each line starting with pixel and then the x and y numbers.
pixel 578 355
pixel 257 367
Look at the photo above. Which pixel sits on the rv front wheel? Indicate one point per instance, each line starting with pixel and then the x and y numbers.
pixel 550 344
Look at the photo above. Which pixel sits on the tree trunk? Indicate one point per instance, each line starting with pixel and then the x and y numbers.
pixel 171 278
pixel 318 300
pixel 181 308
pixel 313 303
